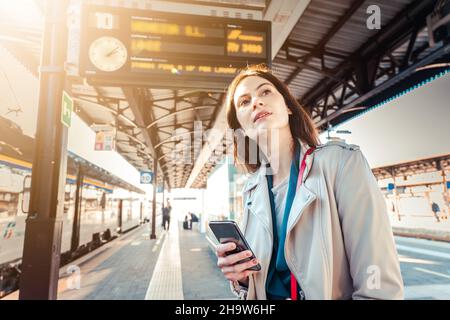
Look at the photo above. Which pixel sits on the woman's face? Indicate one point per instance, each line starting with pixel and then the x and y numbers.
pixel 260 106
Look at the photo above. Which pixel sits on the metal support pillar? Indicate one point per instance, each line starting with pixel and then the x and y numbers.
pixel 163 192
pixel 444 190
pixel 397 211
pixel 77 213
pixel 427 196
pixel 155 178
pixel 119 216
pixel 42 244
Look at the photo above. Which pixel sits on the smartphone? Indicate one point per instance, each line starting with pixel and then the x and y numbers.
pixel 228 231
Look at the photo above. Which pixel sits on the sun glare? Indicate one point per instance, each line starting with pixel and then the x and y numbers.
pixel 24 12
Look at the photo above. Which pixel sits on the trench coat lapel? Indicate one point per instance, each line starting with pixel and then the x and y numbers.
pixel 258 202
pixel 304 196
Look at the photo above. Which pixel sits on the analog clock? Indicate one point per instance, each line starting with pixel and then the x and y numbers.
pixel 108 54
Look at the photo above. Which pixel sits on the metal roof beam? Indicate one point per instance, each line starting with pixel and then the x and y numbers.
pixel 170 139
pixel 109 109
pixel 310 50
pixel 220 126
pixel 405 19
pixel 171 153
pixel 321 45
pixel 24 57
pixel 177 112
pixel 284 15
pixel 365 64
pixel 141 118
pixel 241 6
pixel 385 85
pixel 302 65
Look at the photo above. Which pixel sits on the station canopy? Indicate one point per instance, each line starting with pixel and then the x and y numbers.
pixel 436 164
pixel 336 65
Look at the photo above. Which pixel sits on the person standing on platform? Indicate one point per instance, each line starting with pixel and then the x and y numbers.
pixel 189 220
pixel 435 208
pixel 314 214
pixel 166 215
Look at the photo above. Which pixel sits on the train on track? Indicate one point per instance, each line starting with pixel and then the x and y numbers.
pixel 98 206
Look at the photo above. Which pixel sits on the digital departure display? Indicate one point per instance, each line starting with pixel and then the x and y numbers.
pixel 145 47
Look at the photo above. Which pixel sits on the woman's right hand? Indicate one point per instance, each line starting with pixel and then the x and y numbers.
pixel 229 265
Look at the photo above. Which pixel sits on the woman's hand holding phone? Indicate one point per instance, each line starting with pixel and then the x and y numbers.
pixel 230 264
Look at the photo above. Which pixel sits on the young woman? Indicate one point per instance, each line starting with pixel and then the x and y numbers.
pixel 313 214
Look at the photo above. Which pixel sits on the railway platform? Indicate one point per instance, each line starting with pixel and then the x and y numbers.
pixel 133 267
pixel 180 265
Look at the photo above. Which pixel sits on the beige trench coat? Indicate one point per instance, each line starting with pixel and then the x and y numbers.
pixel 339 241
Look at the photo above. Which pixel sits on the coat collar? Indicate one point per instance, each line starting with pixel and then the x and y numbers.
pixel 261 206
pixel 309 159
pixel 258 176
pixel 304 196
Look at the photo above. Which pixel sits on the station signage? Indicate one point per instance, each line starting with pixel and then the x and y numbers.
pixel 67 109
pixel 157 49
pixel 146 177
pixel 105 137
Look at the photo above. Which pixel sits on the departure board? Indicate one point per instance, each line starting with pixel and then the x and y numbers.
pixel 123 46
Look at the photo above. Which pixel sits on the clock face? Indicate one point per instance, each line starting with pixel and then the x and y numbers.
pixel 108 54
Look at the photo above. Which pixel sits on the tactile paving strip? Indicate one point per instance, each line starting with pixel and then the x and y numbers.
pixel 166 282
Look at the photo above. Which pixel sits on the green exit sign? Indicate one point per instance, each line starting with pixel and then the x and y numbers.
pixel 67 108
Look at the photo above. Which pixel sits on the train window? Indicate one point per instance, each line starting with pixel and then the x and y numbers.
pixel 103 200
pixel 26 194
pixel 8 204
pixel 5 177
pixel 69 200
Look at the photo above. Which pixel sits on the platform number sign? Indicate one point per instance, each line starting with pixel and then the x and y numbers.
pixel 67 108
pixel 104 20
pixel 146 177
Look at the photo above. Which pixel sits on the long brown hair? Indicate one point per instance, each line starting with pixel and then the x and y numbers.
pixel 300 123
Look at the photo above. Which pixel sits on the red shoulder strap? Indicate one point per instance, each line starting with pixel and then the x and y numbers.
pixel 303 166
pixel 299 182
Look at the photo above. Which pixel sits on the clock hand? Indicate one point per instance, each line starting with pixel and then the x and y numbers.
pixel 112 52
